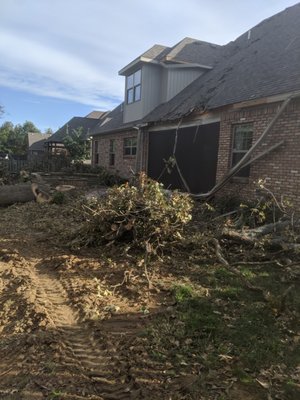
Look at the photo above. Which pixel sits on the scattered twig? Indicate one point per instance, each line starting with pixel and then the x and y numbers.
pixel 6 372
pixel 126 278
pixel 284 297
pixel 146 260
pixel 42 386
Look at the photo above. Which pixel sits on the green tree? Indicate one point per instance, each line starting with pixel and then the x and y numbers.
pixel 48 131
pixel 14 139
pixel 75 143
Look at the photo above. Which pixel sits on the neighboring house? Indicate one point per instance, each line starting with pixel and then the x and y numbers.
pixel 36 144
pixel 55 143
pixel 191 113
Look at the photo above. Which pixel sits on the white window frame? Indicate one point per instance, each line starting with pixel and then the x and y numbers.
pixel 134 87
pixel 130 146
pixel 239 149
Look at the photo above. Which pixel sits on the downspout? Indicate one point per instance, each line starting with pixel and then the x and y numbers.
pixel 139 147
pixel 246 159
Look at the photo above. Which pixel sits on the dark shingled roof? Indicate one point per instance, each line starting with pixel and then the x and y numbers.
pixel 113 121
pixel 87 125
pixel 266 64
pixel 264 61
pixel 195 51
pixel 36 141
pixel 34 137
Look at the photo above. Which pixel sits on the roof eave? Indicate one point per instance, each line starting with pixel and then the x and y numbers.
pixel 137 63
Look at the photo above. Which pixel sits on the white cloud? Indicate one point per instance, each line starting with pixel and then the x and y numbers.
pixel 73 49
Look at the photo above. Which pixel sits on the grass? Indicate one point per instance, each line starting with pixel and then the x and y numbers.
pixel 232 329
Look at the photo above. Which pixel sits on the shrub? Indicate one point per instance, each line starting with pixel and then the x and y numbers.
pixel 144 214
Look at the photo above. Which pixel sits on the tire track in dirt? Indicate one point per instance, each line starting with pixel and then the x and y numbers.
pixel 99 362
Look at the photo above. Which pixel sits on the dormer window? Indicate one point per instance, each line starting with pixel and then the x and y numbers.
pixel 133 87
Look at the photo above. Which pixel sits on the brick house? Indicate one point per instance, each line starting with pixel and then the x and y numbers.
pixel 199 116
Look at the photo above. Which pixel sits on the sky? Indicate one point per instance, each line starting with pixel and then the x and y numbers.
pixel 60 58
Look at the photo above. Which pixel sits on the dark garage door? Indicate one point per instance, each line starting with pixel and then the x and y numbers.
pixel 196 154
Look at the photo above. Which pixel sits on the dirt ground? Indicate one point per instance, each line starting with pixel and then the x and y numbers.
pixel 73 323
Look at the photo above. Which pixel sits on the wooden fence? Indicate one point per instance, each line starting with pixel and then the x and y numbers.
pixel 34 164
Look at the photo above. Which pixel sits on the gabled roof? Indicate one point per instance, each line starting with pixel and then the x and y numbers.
pixel 264 61
pixel 87 124
pixel 154 55
pixel 156 52
pixel 194 51
pixel 187 51
pixel 36 140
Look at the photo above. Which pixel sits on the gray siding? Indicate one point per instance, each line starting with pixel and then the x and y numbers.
pixel 176 79
pixel 158 86
pixel 150 94
pixel 152 87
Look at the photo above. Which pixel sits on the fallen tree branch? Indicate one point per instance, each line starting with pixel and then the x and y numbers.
pixel 268 228
pixel 235 271
pixel 246 159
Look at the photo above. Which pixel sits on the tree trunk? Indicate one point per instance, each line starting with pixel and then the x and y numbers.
pixel 11 194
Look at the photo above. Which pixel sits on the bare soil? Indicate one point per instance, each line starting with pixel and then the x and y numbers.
pixel 69 329
pixel 74 324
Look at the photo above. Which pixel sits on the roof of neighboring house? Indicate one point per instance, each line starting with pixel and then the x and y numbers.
pixel 264 61
pixel 36 140
pixel 87 124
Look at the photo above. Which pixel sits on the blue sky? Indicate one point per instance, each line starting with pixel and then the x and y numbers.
pixel 60 58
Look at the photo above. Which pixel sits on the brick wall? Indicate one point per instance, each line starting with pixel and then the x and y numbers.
pixel 123 164
pixel 280 168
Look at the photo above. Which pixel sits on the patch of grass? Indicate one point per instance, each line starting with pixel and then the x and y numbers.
pixel 182 293
pixel 58 198
pixel 230 293
pixel 199 316
pixel 256 337
pixel 247 273
pixel 223 275
pixel 242 375
pixel 291 390
pixel 56 394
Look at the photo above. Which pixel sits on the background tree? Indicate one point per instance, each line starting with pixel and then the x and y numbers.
pixel 76 144
pixel 14 139
pixel 48 131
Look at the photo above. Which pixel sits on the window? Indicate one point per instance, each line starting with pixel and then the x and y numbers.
pixel 133 87
pixel 112 152
pixel 242 142
pixel 130 146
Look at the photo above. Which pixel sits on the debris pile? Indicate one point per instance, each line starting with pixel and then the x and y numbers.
pixel 142 214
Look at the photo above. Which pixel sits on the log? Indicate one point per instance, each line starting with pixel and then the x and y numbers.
pixel 19 193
